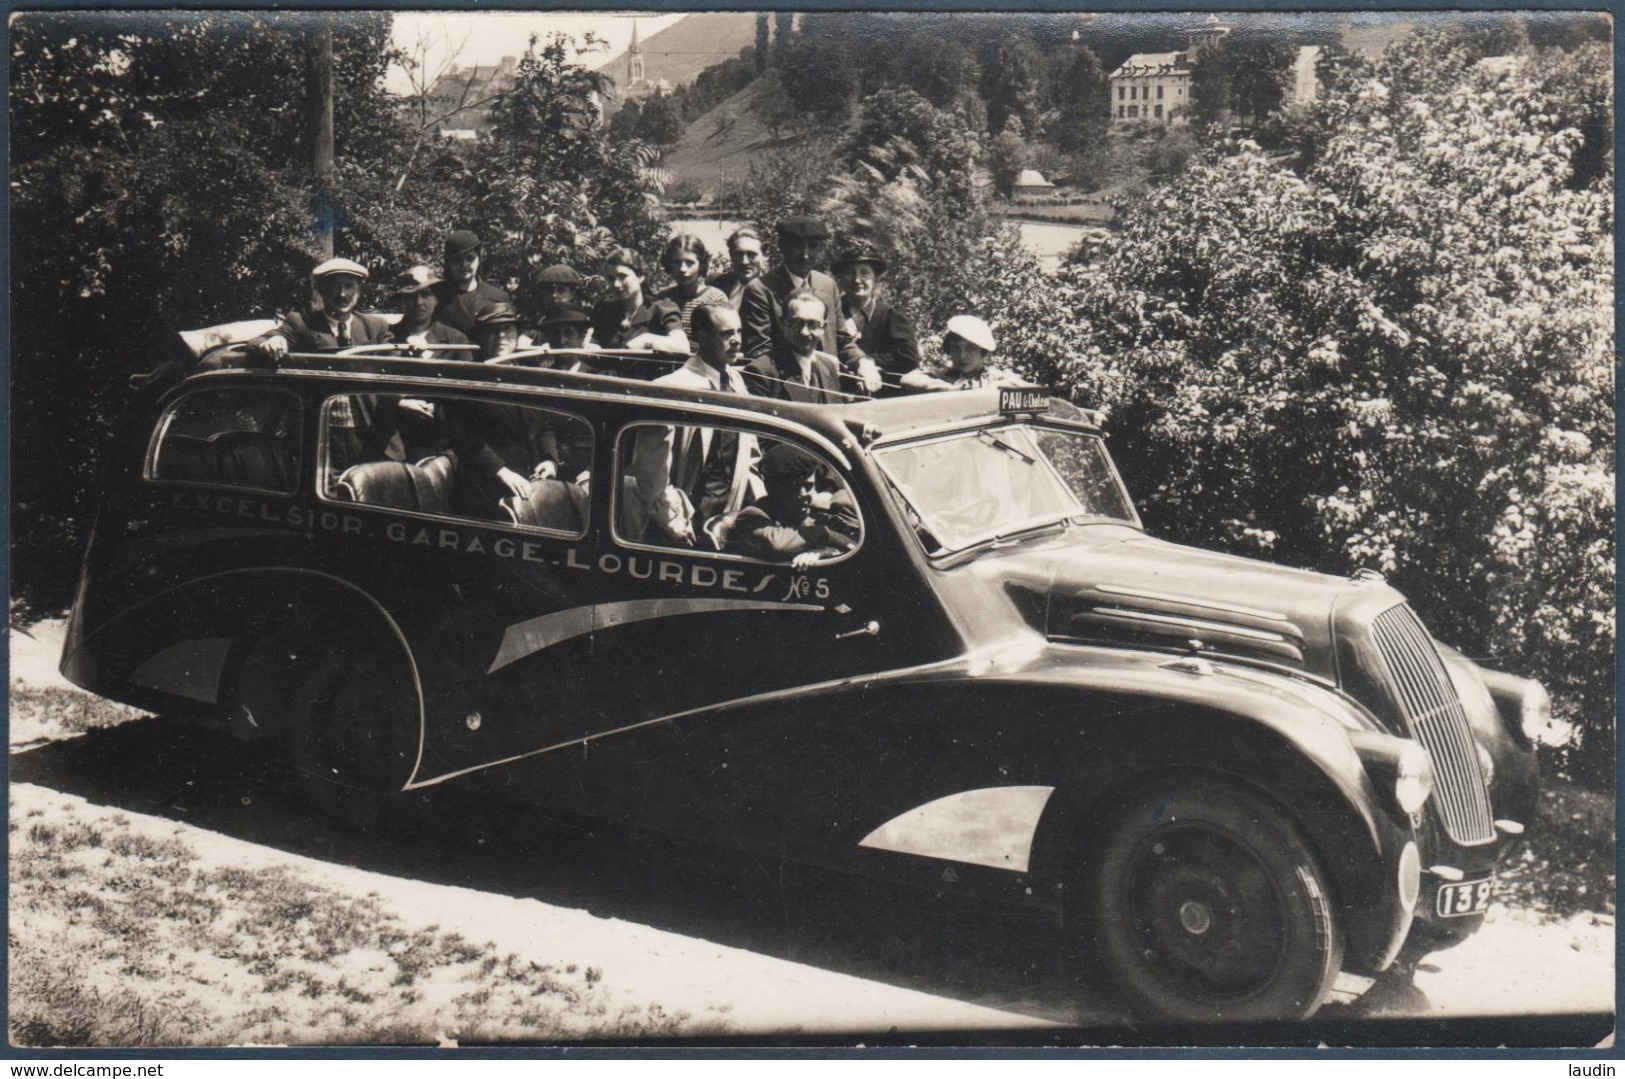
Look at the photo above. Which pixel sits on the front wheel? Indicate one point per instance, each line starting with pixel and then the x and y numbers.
pixel 1209 905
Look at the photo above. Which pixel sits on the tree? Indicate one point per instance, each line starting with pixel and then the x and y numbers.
pixel 942 70
pixel 1077 93
pixel 1010 83
pixel 784 23
pixel 159 181
pixel 772 105
pixel 626 121
pixel 1400 359
pixel 1245 78
pixel 660 124
pixel 761 42
pixel 1006 155
pixel 819 78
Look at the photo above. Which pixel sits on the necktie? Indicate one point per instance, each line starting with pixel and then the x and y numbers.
pixel 342 331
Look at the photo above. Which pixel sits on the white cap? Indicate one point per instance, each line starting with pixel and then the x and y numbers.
pixel 973 330
pixel 336 267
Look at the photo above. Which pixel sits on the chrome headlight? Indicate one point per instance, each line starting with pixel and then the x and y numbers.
pixel 1415 778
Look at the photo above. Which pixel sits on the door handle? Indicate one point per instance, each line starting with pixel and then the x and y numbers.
pixel 868 628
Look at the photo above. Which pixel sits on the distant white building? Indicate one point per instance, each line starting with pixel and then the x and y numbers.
pixel 1305 87
pixel 1156 86
pixel 1032 182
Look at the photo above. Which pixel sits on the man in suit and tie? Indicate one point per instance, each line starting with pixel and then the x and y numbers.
pixel 681 477
pixel 334 322
pixel 807 374
pixel 802 241
pixel 745 261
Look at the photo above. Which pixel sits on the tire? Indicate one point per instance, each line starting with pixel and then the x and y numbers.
pixel 352 736
pixel 1207 904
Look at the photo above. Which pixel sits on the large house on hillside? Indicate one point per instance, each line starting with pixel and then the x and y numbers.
pixel 1156 86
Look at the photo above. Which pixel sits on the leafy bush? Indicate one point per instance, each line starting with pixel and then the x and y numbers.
pixel 160 182
pixel 1400 359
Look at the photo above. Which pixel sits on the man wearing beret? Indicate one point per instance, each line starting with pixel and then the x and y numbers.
pixel 761 308
pixel 882 332
pixel 462 295
pixel 334 323
pixel 414 291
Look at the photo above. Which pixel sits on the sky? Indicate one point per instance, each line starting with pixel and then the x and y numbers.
pixel 485 38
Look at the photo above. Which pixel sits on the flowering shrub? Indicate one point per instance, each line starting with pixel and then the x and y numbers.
pixel 1401 358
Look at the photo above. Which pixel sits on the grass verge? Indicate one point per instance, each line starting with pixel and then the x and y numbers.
pixel 121 937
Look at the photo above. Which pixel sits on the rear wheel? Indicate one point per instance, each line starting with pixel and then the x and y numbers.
pixel 352 736
pixel 1209 905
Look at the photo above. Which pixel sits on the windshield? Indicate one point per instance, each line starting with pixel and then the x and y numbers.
pixel 974 486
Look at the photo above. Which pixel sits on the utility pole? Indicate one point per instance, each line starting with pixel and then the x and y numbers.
pixel 319 95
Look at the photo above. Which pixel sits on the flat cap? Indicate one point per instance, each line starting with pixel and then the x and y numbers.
pixel 414 279
pixel 973 330
pixel 784 459
pixel 461 243
pixel 566 316
pixel 339 268
pixel 803 227
pixel 496 314
pixel 559 274
pixel 860 252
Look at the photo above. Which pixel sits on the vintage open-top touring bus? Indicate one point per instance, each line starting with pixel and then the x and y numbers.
pixel 1232 779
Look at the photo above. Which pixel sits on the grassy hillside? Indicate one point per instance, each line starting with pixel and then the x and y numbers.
pixel 719 145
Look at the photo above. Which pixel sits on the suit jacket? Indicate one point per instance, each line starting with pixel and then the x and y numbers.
pixel 665 457
pixel 458 309
pixel 886 335
pixel 781 380
pixel 730 286
pixel 437 333
pixel 306 331
pixel 761 316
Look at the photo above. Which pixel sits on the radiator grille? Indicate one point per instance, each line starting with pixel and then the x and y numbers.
pixel 1434 714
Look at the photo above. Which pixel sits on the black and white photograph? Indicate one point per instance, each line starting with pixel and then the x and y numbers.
pixel 749 529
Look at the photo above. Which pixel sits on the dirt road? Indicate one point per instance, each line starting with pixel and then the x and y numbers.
pixel 707 942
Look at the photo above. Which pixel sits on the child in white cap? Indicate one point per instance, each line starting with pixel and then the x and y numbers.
pixel 967 343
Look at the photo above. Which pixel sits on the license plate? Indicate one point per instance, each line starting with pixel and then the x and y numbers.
pixel 1467 897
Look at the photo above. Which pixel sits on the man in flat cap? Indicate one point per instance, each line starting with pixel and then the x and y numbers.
pixel 334 322
pixel 565 328
pixel 414 291
pixel 462 295
pixel 881 331
pixel 802 241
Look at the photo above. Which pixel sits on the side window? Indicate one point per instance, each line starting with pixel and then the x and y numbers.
pixel 493 461
pixel 243 438
pixel 732 492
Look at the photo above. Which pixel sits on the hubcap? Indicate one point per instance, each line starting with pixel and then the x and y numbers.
pixel 1206 914
pixel 1195 917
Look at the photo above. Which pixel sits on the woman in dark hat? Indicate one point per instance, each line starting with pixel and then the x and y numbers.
pixel 686 261
pixel 882 332
pixel 629 319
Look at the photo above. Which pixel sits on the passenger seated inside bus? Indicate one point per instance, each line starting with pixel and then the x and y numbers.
pixel 802 518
